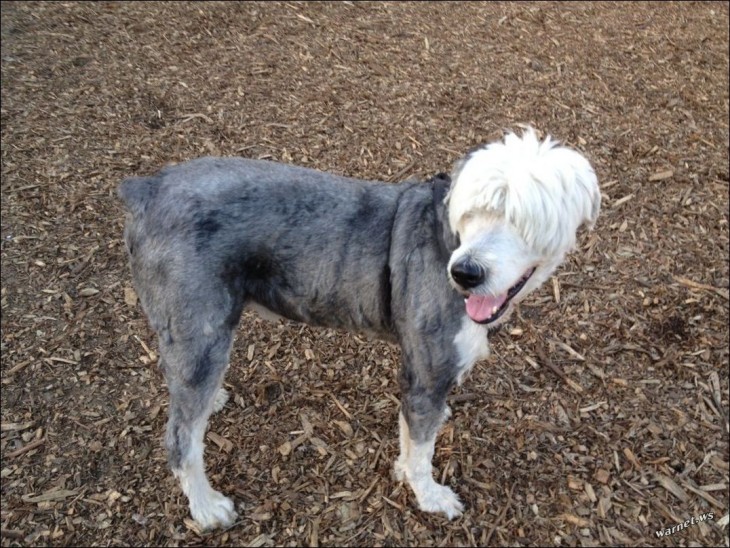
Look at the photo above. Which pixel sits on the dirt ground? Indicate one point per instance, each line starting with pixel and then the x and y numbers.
pixel 600 418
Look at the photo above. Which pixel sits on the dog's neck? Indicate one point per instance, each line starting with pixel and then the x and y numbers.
pixel 441 183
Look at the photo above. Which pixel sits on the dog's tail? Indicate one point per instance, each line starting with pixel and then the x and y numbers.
pixel 138 192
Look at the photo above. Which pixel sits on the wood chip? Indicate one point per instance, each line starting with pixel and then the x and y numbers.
pixel 661 175
pixel 621 201
pixel 58 494
pixel 590 492
pixel 88 292
pixel 602 476
pixel 130 297
pixel 224 444
pixel 570 350
pixel 27 447
pixel 722 292
pixel 629 454
pixel 670 485
pixel 14 426
pixel 575 520
pixel 618 363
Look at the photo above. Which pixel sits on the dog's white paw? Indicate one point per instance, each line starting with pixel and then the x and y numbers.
pixel 399 469
pixel 439 499
pixel 213 510
pixel 221 398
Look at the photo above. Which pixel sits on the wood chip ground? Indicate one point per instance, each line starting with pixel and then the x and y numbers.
pixel 602 415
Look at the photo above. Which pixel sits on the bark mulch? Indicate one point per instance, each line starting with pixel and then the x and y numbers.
pixel 600 418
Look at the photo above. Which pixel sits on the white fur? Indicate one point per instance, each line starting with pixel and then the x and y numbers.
pixel 404 439
pixel 209 508
pixel 264 313
pixel 414 466
pixel 545 191
pixel 221 398
pixel 471 344
pixel 516 205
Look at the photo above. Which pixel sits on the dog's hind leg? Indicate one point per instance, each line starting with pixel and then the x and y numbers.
pixel 423 410
pixel 194 369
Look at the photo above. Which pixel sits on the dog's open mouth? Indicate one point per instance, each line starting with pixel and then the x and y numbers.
pixel 485 309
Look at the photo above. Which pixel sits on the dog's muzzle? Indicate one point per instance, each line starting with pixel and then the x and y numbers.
pixel 467 273
pixel 486 309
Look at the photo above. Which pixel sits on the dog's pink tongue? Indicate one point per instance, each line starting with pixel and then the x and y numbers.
pixel 481 307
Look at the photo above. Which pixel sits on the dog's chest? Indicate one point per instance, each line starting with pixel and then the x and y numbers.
pixel 471 345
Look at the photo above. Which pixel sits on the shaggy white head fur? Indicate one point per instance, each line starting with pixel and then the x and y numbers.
pixel 516 206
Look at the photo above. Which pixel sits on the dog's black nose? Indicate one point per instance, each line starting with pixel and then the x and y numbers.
pixel 467 273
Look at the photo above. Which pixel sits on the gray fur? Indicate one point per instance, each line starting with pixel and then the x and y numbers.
pixel 210 236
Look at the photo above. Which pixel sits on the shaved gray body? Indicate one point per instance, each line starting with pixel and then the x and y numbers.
pixel 210 236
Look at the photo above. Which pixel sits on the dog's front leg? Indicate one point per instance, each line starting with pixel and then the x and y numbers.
pixel 423 411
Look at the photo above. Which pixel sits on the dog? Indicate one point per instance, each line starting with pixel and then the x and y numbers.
pixel 431 266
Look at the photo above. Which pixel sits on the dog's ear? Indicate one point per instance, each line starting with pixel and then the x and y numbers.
pixel 595 203
pixel 441 184
pixel 459 164
pixel 589 192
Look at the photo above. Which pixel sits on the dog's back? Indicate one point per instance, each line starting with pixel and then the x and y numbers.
pixel 268 231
